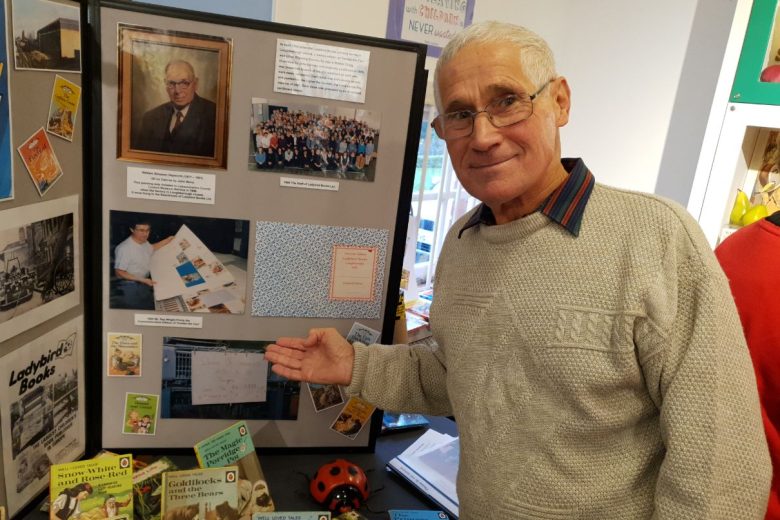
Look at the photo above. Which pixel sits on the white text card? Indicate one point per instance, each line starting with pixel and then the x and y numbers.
pixel 228 377
pixel 353 273
pixel 326 71
pixel 147 183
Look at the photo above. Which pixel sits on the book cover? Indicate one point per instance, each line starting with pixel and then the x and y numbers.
pixel 92 489
pixel 147 488
pixel 208 494
pixel 408 514
pixel 402 421
pixel 234 445
pixel 40 161
pixel 293 515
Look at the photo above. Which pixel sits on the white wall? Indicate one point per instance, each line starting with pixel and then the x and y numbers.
pixel 623 60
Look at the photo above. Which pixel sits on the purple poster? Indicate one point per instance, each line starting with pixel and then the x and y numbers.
pixel 432 22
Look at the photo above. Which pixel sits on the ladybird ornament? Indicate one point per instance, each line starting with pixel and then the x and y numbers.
pixel 340 486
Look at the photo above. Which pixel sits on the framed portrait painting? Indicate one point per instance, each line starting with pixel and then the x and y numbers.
pixel 173 97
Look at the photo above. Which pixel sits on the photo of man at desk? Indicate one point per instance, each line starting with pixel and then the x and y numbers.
pixel 184 125
pixel 587 342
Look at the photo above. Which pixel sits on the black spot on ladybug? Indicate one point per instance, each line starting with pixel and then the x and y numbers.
pixel 321 486
pixel 352 470
pixel 335 470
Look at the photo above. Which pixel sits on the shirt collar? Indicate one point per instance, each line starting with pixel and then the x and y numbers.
pixel 565 206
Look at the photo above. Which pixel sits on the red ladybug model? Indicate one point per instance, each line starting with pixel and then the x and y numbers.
pixel 340 486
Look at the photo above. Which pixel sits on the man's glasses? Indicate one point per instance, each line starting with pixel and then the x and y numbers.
pixel 504 111
pixel 182 83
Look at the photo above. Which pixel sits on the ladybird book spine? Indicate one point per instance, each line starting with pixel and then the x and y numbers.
pixel 92 489
pixel 205 493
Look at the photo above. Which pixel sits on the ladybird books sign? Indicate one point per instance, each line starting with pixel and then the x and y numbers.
pixel 41 410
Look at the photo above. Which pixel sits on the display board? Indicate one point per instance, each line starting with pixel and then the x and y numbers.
pixel 757 79
pixel 42 371
pixel 254 182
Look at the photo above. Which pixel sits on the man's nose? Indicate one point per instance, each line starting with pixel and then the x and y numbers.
pixel 484 134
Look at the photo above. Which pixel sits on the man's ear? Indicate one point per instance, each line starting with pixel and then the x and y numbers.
pixel 562 99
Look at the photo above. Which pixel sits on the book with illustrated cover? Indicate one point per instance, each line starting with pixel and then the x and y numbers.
pixel 408 514
pixel 402 421
pixel 209 493
pixel 293 515
pixel 147 488
pixel 92 489
pixel 234 446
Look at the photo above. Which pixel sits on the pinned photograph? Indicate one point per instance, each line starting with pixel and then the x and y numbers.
pixel 38 264
pixel 65 98
pixel 313 140
pixel 47 36
pixel 325 396
pixel 173 97
pixel 223 379
pixel 177 263
pixel 123 352
pixel 40 161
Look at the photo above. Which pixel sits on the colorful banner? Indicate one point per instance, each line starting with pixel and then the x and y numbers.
pixel 432 22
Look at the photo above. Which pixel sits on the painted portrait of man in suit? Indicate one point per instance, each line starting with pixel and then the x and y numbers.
pixel 173 97
pixel 184 124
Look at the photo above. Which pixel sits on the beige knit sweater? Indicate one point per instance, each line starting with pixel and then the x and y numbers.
pixel 598 377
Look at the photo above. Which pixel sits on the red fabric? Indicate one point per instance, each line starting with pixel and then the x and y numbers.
pixel 750 258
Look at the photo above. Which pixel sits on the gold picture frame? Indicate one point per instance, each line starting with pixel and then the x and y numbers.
pixel 174 97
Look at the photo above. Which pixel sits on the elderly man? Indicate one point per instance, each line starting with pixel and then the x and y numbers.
pixel 588 346
pixel 185 124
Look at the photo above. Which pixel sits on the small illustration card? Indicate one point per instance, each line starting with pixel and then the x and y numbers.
pixel 234 446
pixel 200 493
pixel 140 413
pixel 100 488
pixel 363 334
pixel 40 161
pixel 123 354
pixel 353 417
pixel 325 396
pixel 65 98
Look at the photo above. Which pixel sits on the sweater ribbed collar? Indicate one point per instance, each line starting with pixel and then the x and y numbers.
pixel 565 205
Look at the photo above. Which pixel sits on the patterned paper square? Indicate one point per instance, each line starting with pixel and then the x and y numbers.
pixel 293 267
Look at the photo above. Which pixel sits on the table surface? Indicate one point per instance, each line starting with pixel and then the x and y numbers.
pixel 288 475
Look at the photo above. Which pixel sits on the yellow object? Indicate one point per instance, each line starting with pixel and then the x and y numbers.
pixel 741 206
pixel 755 213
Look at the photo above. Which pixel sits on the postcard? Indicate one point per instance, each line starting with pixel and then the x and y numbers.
pixel 363 334
pixel 123 352
pixel 64 105
pixel 353 271
pixel 325 396
pixel 353 417
pixel 140 413
pixel 40 161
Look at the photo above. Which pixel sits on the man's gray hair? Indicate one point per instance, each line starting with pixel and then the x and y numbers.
pixel 536 57
pixel 183 63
